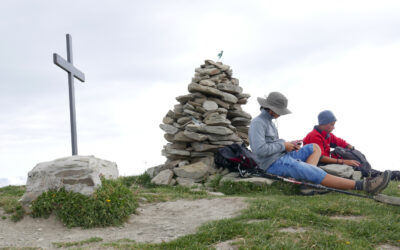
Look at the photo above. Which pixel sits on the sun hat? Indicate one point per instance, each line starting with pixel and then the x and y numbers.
pixel 275 102
pixel 326 117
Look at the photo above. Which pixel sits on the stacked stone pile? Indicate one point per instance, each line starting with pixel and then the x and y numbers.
pixel 210 116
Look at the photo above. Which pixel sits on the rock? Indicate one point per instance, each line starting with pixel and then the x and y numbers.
pixel 186 182
pixel 207 82
pixel 194 87
pixel 231 137
pixel 233 89
pixel 238 113
pixel 240 121
pixel 169 129
pixel 220 102
pixel 176 151
pixel 168 120
pixel 181 137
pixel 201 147
pixel 195 136
pixel 163 178
pixel 338 170
pixel 210 105
pixel 218 130
pixel 259 181
pixel 79 174
pixel 196 171
pixel 153 171
pixel 357 175
pixel 184 120
pixel 215 119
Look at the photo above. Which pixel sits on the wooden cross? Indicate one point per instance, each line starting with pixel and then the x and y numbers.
pixel 72 72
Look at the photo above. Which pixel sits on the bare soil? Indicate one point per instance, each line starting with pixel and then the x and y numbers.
pixel 154 223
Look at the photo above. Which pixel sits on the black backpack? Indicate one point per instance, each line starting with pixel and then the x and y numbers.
pixel 235 157
pixel 354 154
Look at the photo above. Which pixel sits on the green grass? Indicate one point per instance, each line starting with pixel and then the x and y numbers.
pixel 271 208
pixel 9 197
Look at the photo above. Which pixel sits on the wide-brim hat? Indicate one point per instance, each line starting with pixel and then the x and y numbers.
pixel 275 102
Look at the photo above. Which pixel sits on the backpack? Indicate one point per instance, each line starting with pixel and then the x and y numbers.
pixel 354 154
pixel 235 157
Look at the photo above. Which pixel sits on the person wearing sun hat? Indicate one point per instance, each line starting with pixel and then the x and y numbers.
pixel 287 158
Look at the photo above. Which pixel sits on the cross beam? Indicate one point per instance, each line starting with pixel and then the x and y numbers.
pixel 72 73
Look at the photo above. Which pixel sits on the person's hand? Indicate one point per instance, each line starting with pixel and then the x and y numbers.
pixel 353 163
pixel 290 146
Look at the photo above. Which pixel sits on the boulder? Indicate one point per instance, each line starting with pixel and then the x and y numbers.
pixel 163 178
pixel 196 171
pixel 80 174
pixel 344 171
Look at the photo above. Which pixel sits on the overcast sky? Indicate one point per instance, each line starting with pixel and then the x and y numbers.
pixel 138 56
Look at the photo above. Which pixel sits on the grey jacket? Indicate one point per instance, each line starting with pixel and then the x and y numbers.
pixel 264 140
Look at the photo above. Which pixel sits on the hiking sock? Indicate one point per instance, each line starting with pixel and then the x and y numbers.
pixel 360 185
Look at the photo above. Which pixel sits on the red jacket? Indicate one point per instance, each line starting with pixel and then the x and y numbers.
pixel 324 140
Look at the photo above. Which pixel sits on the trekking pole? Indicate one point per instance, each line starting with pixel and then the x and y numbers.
pixel 379 197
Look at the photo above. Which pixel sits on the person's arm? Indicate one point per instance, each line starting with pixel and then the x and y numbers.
pixel 336 141
pixel 329 160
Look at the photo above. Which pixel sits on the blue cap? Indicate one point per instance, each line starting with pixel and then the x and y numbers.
pixel 326 117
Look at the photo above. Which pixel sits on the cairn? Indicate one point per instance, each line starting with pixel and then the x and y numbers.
pixel 207 118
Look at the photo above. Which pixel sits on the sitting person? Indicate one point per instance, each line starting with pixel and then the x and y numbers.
pixel 322 136
pixel 279 157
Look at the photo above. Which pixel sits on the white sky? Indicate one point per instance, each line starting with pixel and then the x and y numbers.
pixel 139 55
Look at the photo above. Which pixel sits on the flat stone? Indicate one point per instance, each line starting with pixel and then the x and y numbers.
pixel 210 105
pixel 231 137
pixel 344 171
pixel 240 121
pixel 218 130
pixel 168 120
pixel 185 98
pixel 292 230
pixel 172 151
pixel 181 137
pixel 238 113
pixel 220 103
pixel 196 171
pixel 201 147
pixel 186 182
pixel 207 82
pixel 195 136
pixel 230 88
pixel 210 71
pixel 201 154
pixel 194 87
pixel 192 113
pixel 216 119
pixel 184 120
pixel 259 181
pixel 224 143
pixel 169 129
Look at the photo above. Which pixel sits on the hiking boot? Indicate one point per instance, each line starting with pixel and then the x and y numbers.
pixel 377 184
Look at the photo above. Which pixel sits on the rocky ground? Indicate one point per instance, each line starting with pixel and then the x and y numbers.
pixel 153 223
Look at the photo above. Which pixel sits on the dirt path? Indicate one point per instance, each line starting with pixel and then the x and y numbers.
pixel 154 223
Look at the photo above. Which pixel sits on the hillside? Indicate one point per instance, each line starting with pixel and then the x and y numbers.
pixel 247 216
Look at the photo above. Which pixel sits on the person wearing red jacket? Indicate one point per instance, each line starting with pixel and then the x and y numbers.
pixel 323 137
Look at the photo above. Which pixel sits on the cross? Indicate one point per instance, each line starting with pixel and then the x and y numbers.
pixel 72 72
